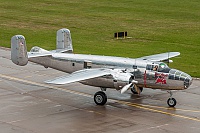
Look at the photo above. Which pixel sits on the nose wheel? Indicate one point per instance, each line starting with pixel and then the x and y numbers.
pixel 171 101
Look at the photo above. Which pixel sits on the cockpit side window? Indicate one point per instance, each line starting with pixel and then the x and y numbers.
pixel 149 67
pixel 155 68
pixel 152 67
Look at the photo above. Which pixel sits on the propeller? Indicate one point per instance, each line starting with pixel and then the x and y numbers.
pixel 126 87
pixel 168 60
pixel 137 89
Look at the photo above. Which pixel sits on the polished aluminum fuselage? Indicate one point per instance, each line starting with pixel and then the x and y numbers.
pixel 69 63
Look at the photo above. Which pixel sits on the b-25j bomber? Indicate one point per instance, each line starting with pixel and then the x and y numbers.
pixel 103 71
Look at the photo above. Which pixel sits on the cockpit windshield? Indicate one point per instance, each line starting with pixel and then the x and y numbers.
pixel 162 67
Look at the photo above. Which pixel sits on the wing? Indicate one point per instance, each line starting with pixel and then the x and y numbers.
pixel 160 57
pixel 79 76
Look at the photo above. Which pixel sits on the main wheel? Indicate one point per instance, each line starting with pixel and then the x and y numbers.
pixel 171 102
pixel 134 91
pixel 100 98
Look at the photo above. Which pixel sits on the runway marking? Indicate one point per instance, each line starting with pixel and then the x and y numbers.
pixel 168 108
pixel 43 85
pixel 158 111
pixel 141 106
pixel 24 70
pixel 142 130
pixel 28 76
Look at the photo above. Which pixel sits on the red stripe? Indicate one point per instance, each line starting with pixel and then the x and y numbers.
pixel 145 78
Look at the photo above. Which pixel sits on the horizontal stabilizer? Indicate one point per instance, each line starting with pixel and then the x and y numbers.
pixel 32 55
pixel 38 52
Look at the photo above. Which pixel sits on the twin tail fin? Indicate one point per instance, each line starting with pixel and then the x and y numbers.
pixel 19 54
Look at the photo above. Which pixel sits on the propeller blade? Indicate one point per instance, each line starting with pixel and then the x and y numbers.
pixel 125 88
pixel 137 89
pixel 134 82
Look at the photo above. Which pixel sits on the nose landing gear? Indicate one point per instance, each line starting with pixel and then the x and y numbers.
pixel 171 101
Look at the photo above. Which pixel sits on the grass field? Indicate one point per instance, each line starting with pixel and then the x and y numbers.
pixel 155 26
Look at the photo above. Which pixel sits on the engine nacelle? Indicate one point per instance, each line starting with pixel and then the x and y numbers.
pixel 18 50
pixel 122 79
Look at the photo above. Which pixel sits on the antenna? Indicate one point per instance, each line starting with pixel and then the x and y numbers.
pixel 134 68
pixel 168 59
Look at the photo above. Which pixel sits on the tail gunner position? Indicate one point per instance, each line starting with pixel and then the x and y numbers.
pixel 103 71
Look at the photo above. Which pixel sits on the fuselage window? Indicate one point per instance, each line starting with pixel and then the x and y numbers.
pixel 87 64
pixel 171 76
pixel 134 67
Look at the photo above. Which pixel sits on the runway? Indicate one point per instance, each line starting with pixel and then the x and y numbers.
pixel 28 105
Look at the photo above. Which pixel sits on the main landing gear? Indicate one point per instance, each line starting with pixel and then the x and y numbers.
pixel 100 97
pixel 171 101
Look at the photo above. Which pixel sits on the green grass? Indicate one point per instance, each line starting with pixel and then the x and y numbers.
pixel 155 26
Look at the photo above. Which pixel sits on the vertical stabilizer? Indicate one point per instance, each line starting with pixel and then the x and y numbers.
pixel 64 41
pixel 18 50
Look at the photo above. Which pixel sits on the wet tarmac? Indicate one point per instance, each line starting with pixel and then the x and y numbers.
pixel 28 105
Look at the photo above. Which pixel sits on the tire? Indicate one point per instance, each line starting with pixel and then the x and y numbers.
pixel 171 102
pixel 134 91
pixel 100 98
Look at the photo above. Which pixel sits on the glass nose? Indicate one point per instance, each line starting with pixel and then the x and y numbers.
pixel 179 75
pixel 187 81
